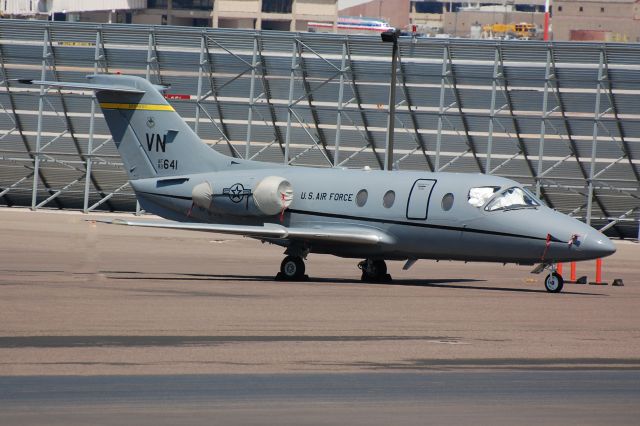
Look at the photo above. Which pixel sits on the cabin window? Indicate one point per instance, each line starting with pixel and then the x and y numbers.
pixel 447 202
pixel 513 198
pixel 479 196
pixel 361 197
pixel 388 199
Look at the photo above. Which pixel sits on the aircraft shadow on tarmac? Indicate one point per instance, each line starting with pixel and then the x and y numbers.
pixel 449 283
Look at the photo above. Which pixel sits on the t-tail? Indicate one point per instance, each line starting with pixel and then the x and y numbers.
pixel 152 139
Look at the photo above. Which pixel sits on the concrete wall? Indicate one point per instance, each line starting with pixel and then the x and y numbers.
pixel 244 23
pixel 147 18
pixel 243 7
pixel 320 10
pixel 84 5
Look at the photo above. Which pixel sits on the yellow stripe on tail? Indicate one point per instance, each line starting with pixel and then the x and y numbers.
pixel 145 107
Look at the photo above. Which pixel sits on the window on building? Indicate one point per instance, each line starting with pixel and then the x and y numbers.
pixel 528 8
pixel 602 9
pixel 193 4
pixel 559 8
pixel 201 22
pixel 581 9
pixel 277 6
pixel 428 7
pixel 272 25
pixel 157 4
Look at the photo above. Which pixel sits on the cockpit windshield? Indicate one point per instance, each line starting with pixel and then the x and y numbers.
pixel 513 198
pixel 479 196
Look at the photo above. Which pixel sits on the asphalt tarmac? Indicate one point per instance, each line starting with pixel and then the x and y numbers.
pixel 527 398
pixel 107 324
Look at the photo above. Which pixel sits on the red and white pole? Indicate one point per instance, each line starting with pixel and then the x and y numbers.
pixel 546 20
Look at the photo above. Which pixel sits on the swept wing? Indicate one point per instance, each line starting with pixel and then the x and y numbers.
pixel 352 234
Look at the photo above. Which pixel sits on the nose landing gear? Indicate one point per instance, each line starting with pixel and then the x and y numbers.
pixel 374 271
pixel 554 282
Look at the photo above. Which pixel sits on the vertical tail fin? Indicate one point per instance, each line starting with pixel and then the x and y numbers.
pixel 152 139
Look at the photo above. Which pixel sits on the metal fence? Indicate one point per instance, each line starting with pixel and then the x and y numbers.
pixel 562 118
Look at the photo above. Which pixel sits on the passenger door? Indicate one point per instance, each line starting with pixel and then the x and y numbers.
pixel 418 203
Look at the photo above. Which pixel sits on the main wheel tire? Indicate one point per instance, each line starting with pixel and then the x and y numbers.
pixel 292 268
pixel 554 282
pixel 379 269
pixel 374 271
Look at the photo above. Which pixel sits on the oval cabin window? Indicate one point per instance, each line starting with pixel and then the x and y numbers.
pixel 388 199
pixel 447 202
pixel 361 197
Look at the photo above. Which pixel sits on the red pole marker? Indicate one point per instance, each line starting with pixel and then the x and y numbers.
pixel 573 271
pixel 546 20
pixel 559 268
pixel 598 280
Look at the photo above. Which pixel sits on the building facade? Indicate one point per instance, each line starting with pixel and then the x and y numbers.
pixel 396 12
pixel 463 22
pixel 592 20
pixel 455 18
pixel 285 15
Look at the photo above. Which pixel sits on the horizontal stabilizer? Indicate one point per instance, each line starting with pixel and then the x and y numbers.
pixel 345 234
pixel 83 86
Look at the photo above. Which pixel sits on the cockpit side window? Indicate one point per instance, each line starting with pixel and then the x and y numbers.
pixel 479 196
pixel 512 198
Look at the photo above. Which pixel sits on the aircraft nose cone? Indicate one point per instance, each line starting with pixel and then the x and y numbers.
pixel 597 245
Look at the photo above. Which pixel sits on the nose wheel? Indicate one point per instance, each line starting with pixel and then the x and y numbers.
pixel 554 282
pixel 374 271
pixel 292 269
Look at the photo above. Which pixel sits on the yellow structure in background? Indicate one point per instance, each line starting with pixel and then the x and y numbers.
pixel 522 30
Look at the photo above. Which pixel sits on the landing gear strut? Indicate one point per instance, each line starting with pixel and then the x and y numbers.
pixel 292 269
pixel 374 271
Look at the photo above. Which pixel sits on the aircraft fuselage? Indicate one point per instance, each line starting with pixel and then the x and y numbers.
pixel 427 215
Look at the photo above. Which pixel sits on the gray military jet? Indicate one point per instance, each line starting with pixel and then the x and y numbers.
pixel 366 214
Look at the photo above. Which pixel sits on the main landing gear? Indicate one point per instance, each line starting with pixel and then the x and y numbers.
pixel 292 269
pixel 374 271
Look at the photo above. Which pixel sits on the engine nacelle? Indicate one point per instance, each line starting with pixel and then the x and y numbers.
pixel 268 197
pixel 272 195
